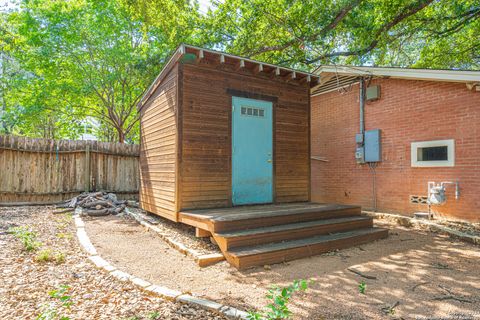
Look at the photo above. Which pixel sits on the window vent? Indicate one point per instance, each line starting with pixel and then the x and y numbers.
pixel 253 112
pixel 437 153
pixel 418 199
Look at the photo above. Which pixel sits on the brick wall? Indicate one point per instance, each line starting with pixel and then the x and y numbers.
pixel 407 111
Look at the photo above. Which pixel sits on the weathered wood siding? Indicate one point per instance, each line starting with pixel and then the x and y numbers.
pixel 158 149
pixel 48 171
pixel 205 171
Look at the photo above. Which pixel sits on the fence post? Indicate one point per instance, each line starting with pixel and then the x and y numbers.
pixel 87 168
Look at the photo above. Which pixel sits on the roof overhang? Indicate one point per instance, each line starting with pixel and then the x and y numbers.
pixel 233 63
pixel 335 77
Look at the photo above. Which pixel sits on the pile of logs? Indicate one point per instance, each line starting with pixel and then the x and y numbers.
pixel 95 204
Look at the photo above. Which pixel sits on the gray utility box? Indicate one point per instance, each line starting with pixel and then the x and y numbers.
pixel 373 150
pixel 373 93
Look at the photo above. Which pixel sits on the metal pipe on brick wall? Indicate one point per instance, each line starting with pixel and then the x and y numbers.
pixel 362 105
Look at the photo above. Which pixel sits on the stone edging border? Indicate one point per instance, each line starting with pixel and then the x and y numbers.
pixel 202 260
pixel 408 221
pixel 164 292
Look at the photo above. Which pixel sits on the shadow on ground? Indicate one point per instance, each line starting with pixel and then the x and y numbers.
pixel 423 275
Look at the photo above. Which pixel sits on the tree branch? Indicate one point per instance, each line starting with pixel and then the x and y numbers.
pixel 410 11
pixel 332 25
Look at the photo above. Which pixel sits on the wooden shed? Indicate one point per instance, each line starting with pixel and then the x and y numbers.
pixel 222 134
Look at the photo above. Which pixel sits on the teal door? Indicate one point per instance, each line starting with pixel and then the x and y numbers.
pixel 252 167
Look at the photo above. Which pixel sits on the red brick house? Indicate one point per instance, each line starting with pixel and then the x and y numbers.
pixel 429 131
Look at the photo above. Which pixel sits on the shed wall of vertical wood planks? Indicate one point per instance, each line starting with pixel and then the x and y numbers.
pixel 186 116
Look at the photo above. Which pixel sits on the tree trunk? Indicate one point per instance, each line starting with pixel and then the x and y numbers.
pixel 121 136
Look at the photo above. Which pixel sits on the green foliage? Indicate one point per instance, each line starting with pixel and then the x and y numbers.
pixel 61 299
pixel 62 235
pixel 280 297
pixel 86 58
pixel 48 255
pixel 362 287
pixel 27 237
pixel 64 62
pixel 61 295
pixel 307 33
pixel 59 257
pixel 153 315
pixel 63 223
pixel 45 255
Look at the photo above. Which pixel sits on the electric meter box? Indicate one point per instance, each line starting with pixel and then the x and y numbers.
pixel 372 145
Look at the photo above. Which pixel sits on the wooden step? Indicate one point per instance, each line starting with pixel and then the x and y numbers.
pixel 250 237
pixel 244 257
pixel 256 218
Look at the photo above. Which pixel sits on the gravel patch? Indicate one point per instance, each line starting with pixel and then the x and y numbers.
pixel 26 283
pixel 472 229
pixel 419 274
pixel 179 232
pixel 465 231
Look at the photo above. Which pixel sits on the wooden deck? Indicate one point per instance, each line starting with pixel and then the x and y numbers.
pixel 265 234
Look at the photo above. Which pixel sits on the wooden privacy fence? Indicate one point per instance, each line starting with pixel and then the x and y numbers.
pixel 49 171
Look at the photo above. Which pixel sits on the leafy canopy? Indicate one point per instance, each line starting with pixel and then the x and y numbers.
pixel 306 33
pixel 64 62
pixel 87 58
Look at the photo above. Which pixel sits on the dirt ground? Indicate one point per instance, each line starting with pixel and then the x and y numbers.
pixel 422 274
pixel 26 284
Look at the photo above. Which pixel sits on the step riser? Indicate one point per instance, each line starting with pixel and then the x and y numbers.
pixel 302 252
pixel 256 239
pixel 223 226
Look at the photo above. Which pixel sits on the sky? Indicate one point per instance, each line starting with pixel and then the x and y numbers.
pixel 204 5
pixel 6 4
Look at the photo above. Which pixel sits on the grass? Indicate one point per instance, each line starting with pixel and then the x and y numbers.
pixel 59 257
pixel 64 221
pixel 45 255
pixel 48 255
pixel 62 235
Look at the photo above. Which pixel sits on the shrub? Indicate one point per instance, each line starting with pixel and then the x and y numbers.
pixel 280 297
pixel 61 299
pixel 361 287
pixel 27 237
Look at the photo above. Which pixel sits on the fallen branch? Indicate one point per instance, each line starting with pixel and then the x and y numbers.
pixel 102 203
pixel 64 211
pixel 95 204
pixel 96 213
pixel 440 266
pixel 419 284
pixel 452 297
pixel 366 276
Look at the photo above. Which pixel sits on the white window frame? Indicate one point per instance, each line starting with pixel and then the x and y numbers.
pixel 449 143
